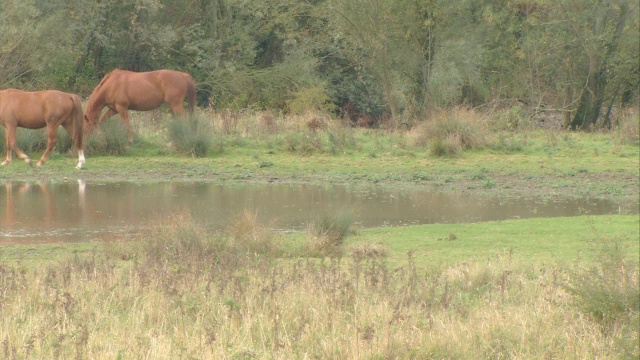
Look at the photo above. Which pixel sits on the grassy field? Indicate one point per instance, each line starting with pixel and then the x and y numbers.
pixel 535 288
pixel 260 147
pixel 530 288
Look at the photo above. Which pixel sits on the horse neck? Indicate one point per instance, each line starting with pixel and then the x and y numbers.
pixel 96 102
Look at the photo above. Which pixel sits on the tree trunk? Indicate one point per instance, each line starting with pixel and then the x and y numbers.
pixel 386 80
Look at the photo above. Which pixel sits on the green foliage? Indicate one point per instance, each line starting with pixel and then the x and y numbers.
pixel 397 60
pixel 310 99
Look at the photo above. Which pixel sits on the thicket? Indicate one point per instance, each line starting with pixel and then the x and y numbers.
pixel 371 61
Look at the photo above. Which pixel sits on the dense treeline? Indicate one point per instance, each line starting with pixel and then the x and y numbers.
pixel 381 59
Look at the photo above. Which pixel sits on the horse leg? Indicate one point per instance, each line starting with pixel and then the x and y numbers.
pixel 51 142
pixel 124 116
pixel 10 142
pixel 7 147
pixel 70 131
pixel 177 109
pixel 106 115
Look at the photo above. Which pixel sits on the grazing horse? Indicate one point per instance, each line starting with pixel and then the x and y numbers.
pixel 122 90
pixel 35 110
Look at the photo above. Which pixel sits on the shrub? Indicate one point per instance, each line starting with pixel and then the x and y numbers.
pixel 302 144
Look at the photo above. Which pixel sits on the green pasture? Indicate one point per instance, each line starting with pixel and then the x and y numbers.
pixel 523 241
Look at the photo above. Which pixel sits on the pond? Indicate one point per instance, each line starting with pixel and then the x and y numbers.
pixel 85 211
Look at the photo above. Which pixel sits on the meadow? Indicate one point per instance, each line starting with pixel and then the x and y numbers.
pixel 529 288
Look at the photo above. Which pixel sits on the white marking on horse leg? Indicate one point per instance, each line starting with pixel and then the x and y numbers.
pixel 81 159
pixel 6 162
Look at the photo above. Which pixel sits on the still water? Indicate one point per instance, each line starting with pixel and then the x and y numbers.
pixel 79 211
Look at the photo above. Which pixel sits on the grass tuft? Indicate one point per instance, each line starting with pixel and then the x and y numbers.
pixel 192 136
pixel 327 234
pixel 449 132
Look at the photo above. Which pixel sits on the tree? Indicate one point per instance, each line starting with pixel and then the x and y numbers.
pixel 601 36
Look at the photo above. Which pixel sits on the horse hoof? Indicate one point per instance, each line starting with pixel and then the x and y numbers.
pixel 79 166
pixel 5 163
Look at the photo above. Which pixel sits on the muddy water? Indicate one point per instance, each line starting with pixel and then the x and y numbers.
pixel 79 211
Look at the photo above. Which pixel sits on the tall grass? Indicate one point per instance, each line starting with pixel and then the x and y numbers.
pixel 183 292
pixel 607 289
pixel 28 140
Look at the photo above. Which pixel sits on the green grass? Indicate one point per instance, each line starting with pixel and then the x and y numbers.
pixel 537 240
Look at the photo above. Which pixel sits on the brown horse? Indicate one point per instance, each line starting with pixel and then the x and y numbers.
pixel 35 110
pixel 122 90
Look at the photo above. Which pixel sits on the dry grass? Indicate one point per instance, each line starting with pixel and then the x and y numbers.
pixel 189 294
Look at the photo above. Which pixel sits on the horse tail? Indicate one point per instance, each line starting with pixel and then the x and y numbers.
pixel 77 120
pixel 191 92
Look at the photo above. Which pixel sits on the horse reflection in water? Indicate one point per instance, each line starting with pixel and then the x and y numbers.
pixel 32 193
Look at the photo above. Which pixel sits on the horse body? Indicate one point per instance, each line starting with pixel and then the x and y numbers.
pixel 38 109
pixel 122 90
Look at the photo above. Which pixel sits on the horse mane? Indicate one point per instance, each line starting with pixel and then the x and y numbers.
pixel 104 79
